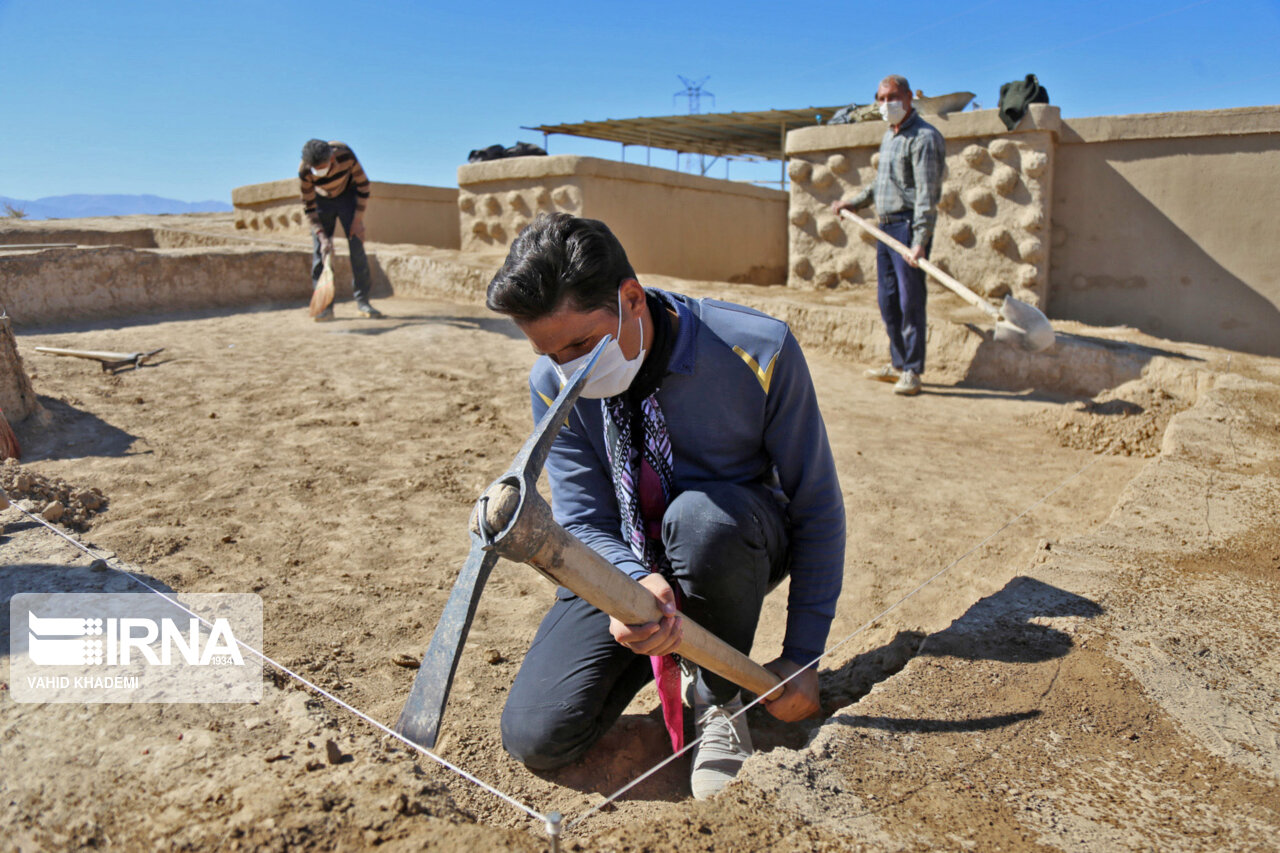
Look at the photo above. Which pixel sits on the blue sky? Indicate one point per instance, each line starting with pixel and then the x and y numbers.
pixel 187 100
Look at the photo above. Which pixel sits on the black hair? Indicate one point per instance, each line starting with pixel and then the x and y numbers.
pixel 316 152
pixel 560 260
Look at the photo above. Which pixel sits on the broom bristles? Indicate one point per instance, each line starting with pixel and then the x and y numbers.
pixel 9 448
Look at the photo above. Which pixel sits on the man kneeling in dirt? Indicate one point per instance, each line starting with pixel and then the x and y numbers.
pixel 697 462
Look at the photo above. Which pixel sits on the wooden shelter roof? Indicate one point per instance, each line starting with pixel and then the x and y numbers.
pixel 756 134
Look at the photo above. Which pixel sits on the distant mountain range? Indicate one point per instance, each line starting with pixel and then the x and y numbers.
pixel 78 206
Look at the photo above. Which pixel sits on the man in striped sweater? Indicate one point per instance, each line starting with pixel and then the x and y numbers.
pixel 334 186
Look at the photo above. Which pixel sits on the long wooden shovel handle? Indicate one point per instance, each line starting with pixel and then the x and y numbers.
pixel 96 355
pixel 568 561
pixel 925 264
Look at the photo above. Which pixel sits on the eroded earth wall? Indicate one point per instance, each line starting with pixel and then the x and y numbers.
pixel 17 397
pixel 56 285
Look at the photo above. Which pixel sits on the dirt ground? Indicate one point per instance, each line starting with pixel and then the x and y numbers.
pixel 331 469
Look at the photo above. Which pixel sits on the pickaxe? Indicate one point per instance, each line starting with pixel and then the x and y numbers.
pixel 512 520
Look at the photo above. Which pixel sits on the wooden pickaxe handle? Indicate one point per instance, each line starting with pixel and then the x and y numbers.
pixel 542 543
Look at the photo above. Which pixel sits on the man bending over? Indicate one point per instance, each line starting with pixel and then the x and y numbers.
pixel 697 462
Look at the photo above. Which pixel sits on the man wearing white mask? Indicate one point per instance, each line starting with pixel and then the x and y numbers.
pixel 334 187
pixel 697 462
pixel 906 191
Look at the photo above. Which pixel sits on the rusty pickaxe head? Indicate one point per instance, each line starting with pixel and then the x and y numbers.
pixel 420 719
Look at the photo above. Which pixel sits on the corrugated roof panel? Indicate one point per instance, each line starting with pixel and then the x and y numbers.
pixel 757 134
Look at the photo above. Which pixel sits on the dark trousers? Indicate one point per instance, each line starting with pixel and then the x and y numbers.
pixel 728 547
pixel 901 291
pixel 331 210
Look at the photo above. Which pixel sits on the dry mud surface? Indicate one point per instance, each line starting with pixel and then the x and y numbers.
pixel 1101 674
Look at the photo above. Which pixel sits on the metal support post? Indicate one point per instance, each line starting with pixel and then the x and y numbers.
pixel 553 830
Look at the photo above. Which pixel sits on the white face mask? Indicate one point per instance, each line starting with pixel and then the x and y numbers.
pixel 613 373
pixel 320 173
pixel 892 111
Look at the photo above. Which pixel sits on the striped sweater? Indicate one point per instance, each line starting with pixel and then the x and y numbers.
pixel 346 170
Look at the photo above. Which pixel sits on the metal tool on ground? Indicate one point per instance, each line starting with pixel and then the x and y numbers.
pixel 322 297
pixel 1016 321
pixel 513 521
pixel 110 360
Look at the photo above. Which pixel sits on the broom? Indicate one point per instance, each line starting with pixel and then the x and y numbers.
pixel 322 298
pixel 9 448
pixel 8 441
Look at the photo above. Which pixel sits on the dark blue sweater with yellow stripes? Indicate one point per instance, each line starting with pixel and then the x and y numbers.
pixel 740 408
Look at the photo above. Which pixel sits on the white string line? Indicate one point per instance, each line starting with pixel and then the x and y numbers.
pixel 661 764
pixel 314 687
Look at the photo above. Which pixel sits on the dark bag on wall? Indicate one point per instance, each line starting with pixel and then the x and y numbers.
pixel 493 152
pixel 497 152
pixel 1016 96
pixel 526 149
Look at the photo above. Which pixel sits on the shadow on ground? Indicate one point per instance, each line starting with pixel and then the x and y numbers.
pixel 44 578
pixel 65 432
pixel 998 627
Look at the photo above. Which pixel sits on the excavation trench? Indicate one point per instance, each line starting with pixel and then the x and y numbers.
pixel 331 470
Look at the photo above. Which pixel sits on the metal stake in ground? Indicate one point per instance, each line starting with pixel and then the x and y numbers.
pixel 512 520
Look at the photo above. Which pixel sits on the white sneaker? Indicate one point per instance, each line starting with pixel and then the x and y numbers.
pixel 688 683
pixel 724 746
pixel 908 385
pixel 883 373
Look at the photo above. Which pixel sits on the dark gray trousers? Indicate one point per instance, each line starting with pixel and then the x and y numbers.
pixel 330 211
pixel 728 547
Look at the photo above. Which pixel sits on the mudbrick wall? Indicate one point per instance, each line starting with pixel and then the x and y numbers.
pixel 669 222
pixel 397 213
pixel 1162 222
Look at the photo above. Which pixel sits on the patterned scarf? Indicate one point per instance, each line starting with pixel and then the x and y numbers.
pixel 642 469
pixel 634 475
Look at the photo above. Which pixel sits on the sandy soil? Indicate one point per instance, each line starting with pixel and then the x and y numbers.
pixel 331 469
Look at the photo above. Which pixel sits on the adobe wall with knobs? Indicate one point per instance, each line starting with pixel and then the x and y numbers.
pixel 1164 222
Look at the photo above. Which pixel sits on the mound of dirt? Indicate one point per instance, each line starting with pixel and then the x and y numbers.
pixel 52 498
pixel 1125 421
